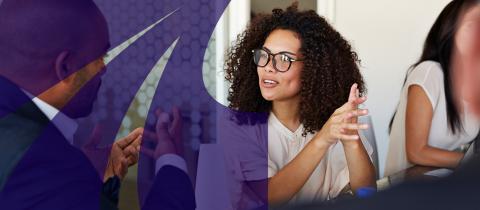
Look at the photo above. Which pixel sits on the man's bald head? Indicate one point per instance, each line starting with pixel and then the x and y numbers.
pixel 34 33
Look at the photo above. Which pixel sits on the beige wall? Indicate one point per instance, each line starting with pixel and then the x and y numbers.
pixel 388 36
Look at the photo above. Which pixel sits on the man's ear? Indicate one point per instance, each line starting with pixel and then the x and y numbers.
pixel 62 69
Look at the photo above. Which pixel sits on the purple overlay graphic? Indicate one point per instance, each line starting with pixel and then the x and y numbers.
pixel 89 60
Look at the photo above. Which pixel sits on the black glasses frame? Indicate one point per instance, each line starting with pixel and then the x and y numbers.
pixel 271 56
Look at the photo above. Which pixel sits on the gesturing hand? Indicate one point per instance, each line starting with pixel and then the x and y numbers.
pixel 122 154
pixel 343 124
pixel 167 136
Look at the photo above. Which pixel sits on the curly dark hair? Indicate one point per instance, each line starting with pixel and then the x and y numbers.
pixel 330 66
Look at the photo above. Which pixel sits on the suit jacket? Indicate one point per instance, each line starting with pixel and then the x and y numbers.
pixel 39 169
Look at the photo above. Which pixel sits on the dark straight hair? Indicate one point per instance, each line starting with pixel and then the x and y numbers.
pixel 438 47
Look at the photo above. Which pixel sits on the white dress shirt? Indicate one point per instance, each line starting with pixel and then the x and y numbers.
pixel 67 126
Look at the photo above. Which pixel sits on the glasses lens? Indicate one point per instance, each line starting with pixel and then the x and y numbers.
pixel 282 62
pixel 260 57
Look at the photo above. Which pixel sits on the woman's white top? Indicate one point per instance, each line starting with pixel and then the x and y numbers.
pixel 429 76
pixel 245 155
pixel 331 174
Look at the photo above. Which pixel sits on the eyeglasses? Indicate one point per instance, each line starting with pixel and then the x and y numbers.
pixel 281 61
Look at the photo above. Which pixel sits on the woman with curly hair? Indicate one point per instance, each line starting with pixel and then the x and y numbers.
pixel 293 65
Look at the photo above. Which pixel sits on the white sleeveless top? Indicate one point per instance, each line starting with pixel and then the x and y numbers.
pixel 429 76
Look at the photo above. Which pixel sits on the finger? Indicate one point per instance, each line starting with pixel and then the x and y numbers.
pixel 162 128
pixel 132 154
pixel 132 138
pixel 353 90
pixel 162 116
pixel 354 103
pixel 175 130
pixel 351 105
pixel 354 114
pixel 138 141
pixel 348 137
pixel 133 159
pixel 129 139
pixel 353 126
pixel 360 100
pixel 162 121
pixel 177 120
pixel 130 150
pixel 138 131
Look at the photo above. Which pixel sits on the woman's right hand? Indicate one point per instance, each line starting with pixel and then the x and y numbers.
pixel 343 124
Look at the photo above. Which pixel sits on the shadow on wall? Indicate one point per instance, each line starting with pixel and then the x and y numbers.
pixel 266 6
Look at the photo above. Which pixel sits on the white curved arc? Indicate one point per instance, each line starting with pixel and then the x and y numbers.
pixel 157 71
pixel 112 54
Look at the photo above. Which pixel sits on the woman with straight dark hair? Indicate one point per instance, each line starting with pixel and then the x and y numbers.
pixel 431 121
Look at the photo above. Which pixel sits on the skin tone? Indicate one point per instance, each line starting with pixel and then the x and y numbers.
pixel 62 92
pixel 167 135
pixel 417 127
pixel 419 112
pixel 472 79
pixel 469 32
pixel 284 92
pixel 124 152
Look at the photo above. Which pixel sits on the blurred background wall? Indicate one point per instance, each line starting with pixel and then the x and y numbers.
pixel 388 36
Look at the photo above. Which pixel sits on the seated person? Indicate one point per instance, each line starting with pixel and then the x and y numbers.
pixel 293 66
pixel 432 120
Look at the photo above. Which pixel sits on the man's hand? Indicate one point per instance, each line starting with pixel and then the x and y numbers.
pixel 167 135
pixel 124 153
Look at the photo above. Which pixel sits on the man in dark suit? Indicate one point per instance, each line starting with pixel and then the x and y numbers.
pixel 50 71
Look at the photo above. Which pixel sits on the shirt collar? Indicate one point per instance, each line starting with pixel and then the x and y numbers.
pixel 66 125
pixel 275 122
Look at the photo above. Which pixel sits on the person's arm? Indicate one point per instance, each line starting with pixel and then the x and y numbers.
pixel 360 168
pixel 417 128
pixel 291 178
pixel 172 188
